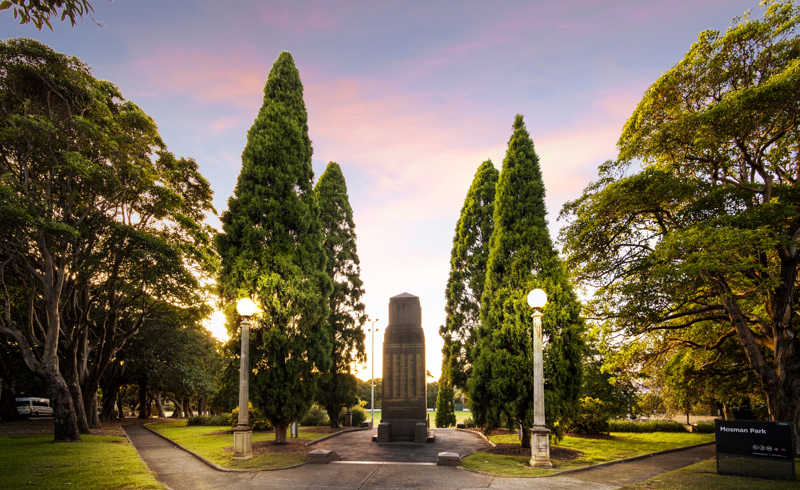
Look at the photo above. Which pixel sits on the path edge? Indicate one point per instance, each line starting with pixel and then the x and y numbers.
pixel 482 437
pixel 211 463
pixel 599 465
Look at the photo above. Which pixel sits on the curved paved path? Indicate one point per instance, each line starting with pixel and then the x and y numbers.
pixel 358 446
pixel 178 470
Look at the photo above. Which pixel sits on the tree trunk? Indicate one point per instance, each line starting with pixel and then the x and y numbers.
pixel 92 415
pixel 120 403
pixel 280 433
pixel 143 400
pixel 65 423
pixel 8 410
pixel 333 414
pixel 201 406
pixel 726 412
pixel 71 378
pixel 159 406
pixel 187 408
pixel 8 404
pixel 176 411
pixel 109 400
pixel 526 438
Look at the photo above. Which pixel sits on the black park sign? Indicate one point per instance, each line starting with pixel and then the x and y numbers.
pixel 759 449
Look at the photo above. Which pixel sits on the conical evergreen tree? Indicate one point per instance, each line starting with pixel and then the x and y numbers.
pixel 522 258
pixel 271 250
pixel 445 403
pixel 338 387
pixel 468 260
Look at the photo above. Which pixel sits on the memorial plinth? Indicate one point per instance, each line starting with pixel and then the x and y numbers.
pixel 404 390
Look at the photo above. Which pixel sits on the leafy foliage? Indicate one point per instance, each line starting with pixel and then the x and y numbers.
pixel 592 417
pixel 104 225
pixel 272 248
pixel 522 258
pixel 697 250
pixel 465 285
pixel 337 387
pixel 649 426
pixel 41 11
pixel 464 290
pixel 445 403
pixel 315 417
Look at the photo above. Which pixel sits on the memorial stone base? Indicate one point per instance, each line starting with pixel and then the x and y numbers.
pixel 540 448
pixel 242 443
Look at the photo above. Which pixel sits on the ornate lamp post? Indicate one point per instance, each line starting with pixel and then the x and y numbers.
pixel 372 402
pixel 540 434
pixel 243 434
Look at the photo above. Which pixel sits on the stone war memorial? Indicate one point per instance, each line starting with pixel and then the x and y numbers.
pixel 404 412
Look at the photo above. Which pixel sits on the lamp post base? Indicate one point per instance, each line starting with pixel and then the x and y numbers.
pixel 540 448
pixel 242 442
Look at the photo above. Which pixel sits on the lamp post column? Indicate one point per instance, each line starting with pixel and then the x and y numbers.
pixel 540 434
pixel 242 435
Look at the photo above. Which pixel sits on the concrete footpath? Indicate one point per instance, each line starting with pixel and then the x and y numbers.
pixel 180 470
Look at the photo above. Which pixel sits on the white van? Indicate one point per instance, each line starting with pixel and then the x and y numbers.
pixel 34 406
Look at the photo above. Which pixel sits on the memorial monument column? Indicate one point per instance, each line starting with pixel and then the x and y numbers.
pixel 403 411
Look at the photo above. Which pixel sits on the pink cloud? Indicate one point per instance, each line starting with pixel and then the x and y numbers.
pixel 202 76
pixel 318 16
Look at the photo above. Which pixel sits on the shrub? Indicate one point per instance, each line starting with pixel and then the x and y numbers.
pixel 213 420
pixel 706 427
pixel 257 420
pixel 592 417
pixel 469 423
pixel 359 415
pixel 315 417
pixel 650 426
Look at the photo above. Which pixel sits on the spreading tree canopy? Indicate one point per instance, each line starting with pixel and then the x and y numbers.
pixel 271 249
pixel 522 258
pixel 101 224
pixel 468 260
pixel 695 247
pixel 338 387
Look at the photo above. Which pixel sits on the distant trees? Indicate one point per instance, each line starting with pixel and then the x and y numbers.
pixel 697 250
pixel 338 387
pixel 468 260
pixel 272 249
pixel 522 258
pixel 103 225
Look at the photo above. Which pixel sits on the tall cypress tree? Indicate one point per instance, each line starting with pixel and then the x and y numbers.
pixel 338 387
pixel 271 250
pixel 522 258
pixel 468 260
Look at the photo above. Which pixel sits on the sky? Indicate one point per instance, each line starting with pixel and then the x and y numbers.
pixel 408 97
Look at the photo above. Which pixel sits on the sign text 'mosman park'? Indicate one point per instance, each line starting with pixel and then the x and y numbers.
pixel 753 448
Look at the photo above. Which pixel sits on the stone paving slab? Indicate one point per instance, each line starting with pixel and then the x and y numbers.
pixel 358 446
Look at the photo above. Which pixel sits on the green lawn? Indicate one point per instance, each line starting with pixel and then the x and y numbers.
pixel 460 416
pixel 34 461
pixel 218 448
pixel 621 445
pixel 703 476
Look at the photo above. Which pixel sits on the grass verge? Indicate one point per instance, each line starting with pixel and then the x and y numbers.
pixel 218 448
pixel 619 445
pixel 35 461
pixel 703 476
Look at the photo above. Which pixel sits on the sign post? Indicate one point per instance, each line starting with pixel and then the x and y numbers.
pixel 752 448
